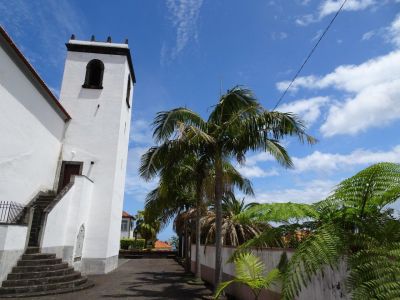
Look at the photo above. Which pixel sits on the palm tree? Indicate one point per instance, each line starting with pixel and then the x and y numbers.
pixel 354 223
pixel 183 184
pixel 237 124
pixel 234 233
pixel 250 271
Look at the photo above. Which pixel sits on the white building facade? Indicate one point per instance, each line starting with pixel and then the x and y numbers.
pixel 63 163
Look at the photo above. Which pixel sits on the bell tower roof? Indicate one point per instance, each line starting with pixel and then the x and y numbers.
pixel 108 47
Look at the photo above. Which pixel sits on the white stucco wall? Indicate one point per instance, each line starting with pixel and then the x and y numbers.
pixel 12 245
pixel 99 133
pixel 31 133
pixel 327 287
pixel 65 219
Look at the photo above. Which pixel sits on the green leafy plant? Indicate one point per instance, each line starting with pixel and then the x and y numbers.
pixel 237 124
pixel 355 224
pixel 250 271
pixel 134 244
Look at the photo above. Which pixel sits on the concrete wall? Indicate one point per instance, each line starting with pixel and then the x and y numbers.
pixel 330 286
pixel 64 221
pixel 99 133
pixel 31 132
pixel 12 245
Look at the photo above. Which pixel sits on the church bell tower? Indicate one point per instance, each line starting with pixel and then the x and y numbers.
pixel 97 92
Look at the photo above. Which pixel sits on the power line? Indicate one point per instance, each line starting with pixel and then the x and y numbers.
pixel 309 55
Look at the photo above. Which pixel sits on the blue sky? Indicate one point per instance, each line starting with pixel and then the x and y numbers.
pixel 185 50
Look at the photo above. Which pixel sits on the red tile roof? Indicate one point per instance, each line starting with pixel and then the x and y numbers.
pixel 126 215
pixel 162 245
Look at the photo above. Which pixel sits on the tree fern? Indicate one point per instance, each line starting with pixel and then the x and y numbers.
pixel 323 248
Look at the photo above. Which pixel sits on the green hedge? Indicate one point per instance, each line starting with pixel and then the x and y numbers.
pixel 132 244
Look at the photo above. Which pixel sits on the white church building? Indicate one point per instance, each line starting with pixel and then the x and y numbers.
pixel 63 161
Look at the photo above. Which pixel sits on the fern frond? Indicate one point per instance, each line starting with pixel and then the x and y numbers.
pixel 323 248
pixel 375 272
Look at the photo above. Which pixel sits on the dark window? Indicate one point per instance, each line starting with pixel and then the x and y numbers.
pixel 128 91
pixel 94 75
pixel 124 225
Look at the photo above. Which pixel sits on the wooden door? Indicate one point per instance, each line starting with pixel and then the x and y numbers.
pixel 69 169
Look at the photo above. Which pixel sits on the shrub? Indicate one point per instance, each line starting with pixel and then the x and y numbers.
pixel 132 244
pixel 137 244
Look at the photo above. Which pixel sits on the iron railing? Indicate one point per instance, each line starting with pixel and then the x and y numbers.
pixel 12 213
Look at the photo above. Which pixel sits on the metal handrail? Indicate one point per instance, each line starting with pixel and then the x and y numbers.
pixel 12 213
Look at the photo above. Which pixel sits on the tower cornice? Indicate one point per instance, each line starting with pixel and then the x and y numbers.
pixel 103 48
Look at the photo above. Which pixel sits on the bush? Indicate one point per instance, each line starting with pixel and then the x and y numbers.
pixel 137 244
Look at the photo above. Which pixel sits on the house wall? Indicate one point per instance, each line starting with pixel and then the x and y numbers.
pixel 12 245
pixel 64 221
pixel 99 133
pixel 330 286
pixel 31 132
pixel 126 234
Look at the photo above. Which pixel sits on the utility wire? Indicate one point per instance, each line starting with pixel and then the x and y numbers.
pixel 309 55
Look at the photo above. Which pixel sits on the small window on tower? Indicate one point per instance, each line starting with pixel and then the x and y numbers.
pixel 128 91
pixel 94 74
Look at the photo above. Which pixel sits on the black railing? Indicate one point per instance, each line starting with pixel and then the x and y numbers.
pixel 12 213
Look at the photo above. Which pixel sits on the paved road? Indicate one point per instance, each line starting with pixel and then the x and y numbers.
pixel 152 279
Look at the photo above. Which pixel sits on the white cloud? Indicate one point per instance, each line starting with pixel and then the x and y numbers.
pixel 368 35
pixel 374 92
pixel 393 31
pixel 375 106
pixel 279 35
pixel 328 162
pixel 254 171
pixel 308 192
pixel 134 184
pixel 183 15
pixel 308 109
pixel 390 34
pixel 141 132
pixel 329 7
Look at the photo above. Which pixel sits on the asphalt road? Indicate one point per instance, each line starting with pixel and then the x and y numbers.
pixel 152 279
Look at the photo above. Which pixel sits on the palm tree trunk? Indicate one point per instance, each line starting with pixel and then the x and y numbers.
pixel 187 245
pixel 218 220
pixel 198 231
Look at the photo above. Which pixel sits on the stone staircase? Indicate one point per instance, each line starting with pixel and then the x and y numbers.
pixel 38 274
pixel 38 217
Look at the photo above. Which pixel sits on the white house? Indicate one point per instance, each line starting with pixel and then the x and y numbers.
pixel 127 224
pixel 63 162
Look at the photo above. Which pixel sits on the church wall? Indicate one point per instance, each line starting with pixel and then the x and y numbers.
pixel 93 137
pixel 31 132
pixel 119 183
pixel 12 245
pixel 65 220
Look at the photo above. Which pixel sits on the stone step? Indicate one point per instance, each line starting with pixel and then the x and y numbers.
pixel 41 268
pixel 38 256
pixel 42 280
pixel 41 274
pixel 42 287
pixel 86 285
pixel 39 262
pixel 32 250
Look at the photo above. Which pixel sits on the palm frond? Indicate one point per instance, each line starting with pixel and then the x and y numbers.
pixel 167 123
pixel 237 99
